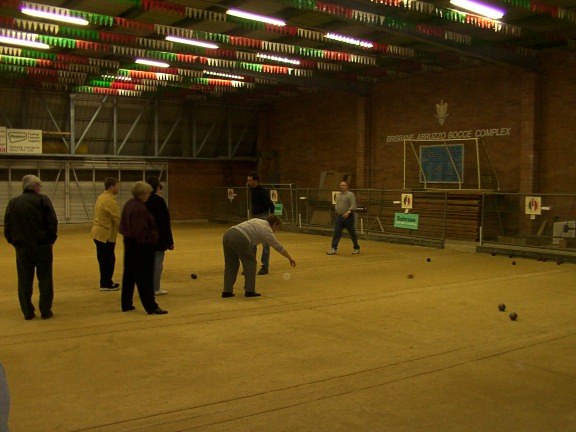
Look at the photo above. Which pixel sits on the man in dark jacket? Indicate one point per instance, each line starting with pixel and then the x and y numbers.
pixel 261 207
pixel 157 206
pixel 31 226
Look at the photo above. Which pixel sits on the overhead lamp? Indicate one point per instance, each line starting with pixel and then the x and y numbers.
pixel 23 42
pixel 479 8
pixel 349 40
pixel 223 75
pixel 278 59
pixel 54 16
pixel 117 77
pixel 152 63
pixel 191 42
pixel 255 17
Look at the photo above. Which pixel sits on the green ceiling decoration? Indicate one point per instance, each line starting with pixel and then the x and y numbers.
pixel 57 41
pixel 79 33
pixel 39 54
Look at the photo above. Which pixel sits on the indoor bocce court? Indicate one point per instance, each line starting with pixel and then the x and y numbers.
pixel 397 338
pixel 440 131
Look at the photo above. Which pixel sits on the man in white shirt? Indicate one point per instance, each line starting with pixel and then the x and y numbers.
pixel 238 243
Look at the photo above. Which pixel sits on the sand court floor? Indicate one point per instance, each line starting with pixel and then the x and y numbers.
pixel 397 338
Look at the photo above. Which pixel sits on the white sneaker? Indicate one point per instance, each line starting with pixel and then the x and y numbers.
pixel 331 252
pixel 355 251
pixel 161 292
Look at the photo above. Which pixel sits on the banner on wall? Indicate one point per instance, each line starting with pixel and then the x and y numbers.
pixel 24 141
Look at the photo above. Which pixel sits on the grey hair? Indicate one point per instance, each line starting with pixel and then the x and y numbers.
pixel 141 188
pixel 29 181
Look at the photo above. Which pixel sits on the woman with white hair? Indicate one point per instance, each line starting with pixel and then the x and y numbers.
pixel 140 233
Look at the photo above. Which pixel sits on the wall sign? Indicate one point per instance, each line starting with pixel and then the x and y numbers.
pixel 24 141
pixel 406 220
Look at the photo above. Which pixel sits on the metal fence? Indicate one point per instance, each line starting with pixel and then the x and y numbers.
pixel 312 210
pixel 498 222
pixel 541 224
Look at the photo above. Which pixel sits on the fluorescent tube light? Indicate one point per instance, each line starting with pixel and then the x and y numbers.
pixel 223 75
pixel 152 63
pixel 117 77
pixel 191 42
pixel 53 16
pixel 349 40
pixel 255 17
pixel 278 59
pixel 23 42
pixel 479 8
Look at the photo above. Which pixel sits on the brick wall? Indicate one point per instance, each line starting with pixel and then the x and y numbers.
pixel 478 100
pixel 315 133
pixel 340 132
pixel 557 145
pixel 191 183
pixel 306 135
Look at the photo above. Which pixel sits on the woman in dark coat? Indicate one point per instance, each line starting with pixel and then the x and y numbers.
pixel 140 233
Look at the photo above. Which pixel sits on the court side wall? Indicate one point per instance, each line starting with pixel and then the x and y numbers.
pixel 192 182
pixel 314 133
pixel 557 170
pixel 482 101
pixel 527 121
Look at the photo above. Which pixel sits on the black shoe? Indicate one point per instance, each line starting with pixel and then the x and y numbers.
pixel 227 294
pixel 30 316
pixel 113 287
pixel 128 309
pixel 158 311
pixel 263 271
pixel 252 294
pixel 47 315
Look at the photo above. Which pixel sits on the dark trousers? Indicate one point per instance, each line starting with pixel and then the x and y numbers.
pixel 106 262
pixel 350 224
pixel 28 260
pixel 139 271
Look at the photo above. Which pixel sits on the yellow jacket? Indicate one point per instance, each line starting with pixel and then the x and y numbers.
pixel 106 218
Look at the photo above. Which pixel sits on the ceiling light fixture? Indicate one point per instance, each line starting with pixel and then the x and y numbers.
pixel 152 63
pixel 23 42
pixel 478 8
pixel 117 77
pixel 349 40
pixel 255 17
pixel 191 42
pixel 54 16
pixel 223 75
pixel 279 59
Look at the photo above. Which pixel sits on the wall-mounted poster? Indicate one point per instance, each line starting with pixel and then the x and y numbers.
pixel 24 141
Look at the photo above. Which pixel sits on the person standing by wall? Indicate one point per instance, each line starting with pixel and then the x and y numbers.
pixel 345 218
pixel 31 226
pixel 261 207
pixel 238 242
pixel 157 206
pixel 140 236
pixel 105 230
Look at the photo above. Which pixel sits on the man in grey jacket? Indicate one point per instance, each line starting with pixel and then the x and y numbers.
pixel 345 218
